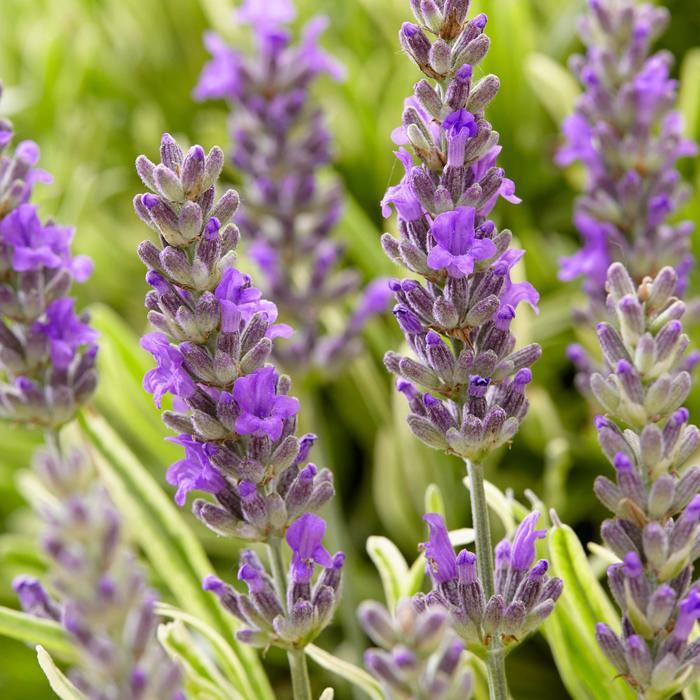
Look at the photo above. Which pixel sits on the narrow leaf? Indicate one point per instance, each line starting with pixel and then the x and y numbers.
pixel 391 566
pixel 56 678
pixel 351 673
pixel 35 630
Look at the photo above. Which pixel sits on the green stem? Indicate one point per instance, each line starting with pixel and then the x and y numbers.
pixel 498 685
pixel 301 686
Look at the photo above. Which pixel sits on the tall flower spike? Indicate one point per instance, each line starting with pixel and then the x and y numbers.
pixel 417 654
pixel 235 419
pixel 647 436
pixel 282 145
pixel 292 618
pixel 465 382
pixel 102 600
pixel 47 350
pixel 627 133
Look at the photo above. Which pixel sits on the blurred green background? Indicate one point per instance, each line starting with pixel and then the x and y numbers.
pixel 95 82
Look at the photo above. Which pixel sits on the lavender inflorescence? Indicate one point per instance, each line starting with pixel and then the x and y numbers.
pixel 418 654
pixel 647 436
pixel 524 596
pixel 215 334
pixel 281 147
pixel 292 618
pixel 98 590
pixel 47 350
pixel 466 384
pixel 627 133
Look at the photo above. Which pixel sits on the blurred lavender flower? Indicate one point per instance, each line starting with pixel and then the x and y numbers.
pixel 627 133
pixel 282 146
pixel 647 437
pixel 102 599
pixel 420 656
pixel 293 618
pixel 523 598
pixel 215 334
pixel 457 323
pixel 47 350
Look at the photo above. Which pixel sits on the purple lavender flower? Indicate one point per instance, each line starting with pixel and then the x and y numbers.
pixel 647 436
pixel 47 351
pixel 443 203
pixel 281 146
pixel 232 411
pixel 418 652
pixel 523 598
pixel 263 411
pixel 627 132
pixel 102 602
pixel 293 623
pixel 456 250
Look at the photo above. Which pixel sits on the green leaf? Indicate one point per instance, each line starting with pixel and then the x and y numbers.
pixel 391 566
pixel 229 663
pixel 434 502
pixel 327 694
pixel 57 680
pixel 692 692
pixel 35 630
pixel 689 95
pixel 570 630
pixel 553 84
pixel 169 544
pixel 354 674
pixel 202 677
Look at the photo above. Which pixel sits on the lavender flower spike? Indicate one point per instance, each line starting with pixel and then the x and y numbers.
pixel 649 440
pixel 282 146
pixel 102 598
pixel 215 333
pixel 418 655
pixel 47 350
pixel 465 381
pixel 523 598
pixel 627 133
pixel 294 617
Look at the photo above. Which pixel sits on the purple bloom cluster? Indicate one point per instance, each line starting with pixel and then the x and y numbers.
pixel 655 528
pixel 215 334
pixel 293 620
pixel 466 384
pixel 102 601
pixel 281 145
pixel 47 350
pixel 420 655
pixel 524 595
pixel 627 133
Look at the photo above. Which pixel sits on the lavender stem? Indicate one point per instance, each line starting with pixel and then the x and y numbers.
pixel 301 686
pixel 498 684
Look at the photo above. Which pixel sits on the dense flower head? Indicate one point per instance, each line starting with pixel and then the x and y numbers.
pixel 628 134
pixel 281 147
pixel 47 350
pixel 417 654
pixel 102 600
pixel 215 331
pixel 312 595
pixel 647 436
pixel 524 595
pixel 457 322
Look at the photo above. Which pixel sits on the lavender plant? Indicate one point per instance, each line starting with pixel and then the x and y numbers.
pixel 654 499
pixel 628 134
pixel 47 354
pixel 466 382
pixel 420 656
pixel 233 411
pixel 47 350
pixel 102 599
pixel 282 148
